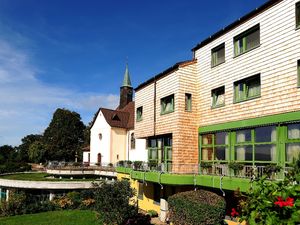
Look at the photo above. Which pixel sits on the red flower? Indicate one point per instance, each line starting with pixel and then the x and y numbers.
pixel 234 213
pixel 289 202
pixel 281 203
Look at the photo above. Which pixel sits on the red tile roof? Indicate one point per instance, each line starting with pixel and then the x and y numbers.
pixel 121 118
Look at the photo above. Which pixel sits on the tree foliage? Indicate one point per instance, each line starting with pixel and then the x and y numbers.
pixel 36 152
pixel 23 148
pixel 64 136
pixel 114 202
pixel 7 154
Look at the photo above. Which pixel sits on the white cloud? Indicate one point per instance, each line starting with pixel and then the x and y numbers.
pixel 27 105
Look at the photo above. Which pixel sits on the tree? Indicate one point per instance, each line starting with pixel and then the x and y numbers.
pixel 63 138
pixel 7 154
pixel 36 152
pixel 23 149
pixel 114 202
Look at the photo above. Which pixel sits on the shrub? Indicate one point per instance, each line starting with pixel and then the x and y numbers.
pixel 275 202
pixel 152 213
pixel 114 202
pixel 15 204
pixel 197 208
pixel 75 198
pixel 63 202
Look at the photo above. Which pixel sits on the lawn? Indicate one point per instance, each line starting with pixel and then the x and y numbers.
pixel 66 217
pixel 38 177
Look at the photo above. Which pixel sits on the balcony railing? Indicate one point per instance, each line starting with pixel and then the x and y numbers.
pixel 222 169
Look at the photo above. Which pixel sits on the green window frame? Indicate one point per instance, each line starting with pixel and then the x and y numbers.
pixel 215 147
pixel 139 114
pixel 218 55
pixel 292 142
pixel 247 40
pixel 218 97
pixel 258 145
pixel 167 104
pixel 188 102
pixel 246 89
pixel 297 14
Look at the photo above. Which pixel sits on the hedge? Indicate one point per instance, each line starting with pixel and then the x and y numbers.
pixel 197 208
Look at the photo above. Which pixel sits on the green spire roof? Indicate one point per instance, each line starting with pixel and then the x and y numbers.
pixel 126 81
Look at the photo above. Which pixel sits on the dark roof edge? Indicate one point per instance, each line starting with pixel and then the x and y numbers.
pixel 238 22
pixel 165 72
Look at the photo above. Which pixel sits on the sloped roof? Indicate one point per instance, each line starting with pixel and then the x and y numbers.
pixel 120 118
pixel 238 22
pixel 166 72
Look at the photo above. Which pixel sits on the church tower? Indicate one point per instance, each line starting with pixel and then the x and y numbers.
pixel 126 90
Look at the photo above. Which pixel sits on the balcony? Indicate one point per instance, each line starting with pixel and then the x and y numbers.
pixel 218 175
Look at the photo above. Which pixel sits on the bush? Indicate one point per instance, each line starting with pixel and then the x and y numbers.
pixel 275 202
pixel 114 202
pixel 197 208
pixel 152 213
pixel 75 199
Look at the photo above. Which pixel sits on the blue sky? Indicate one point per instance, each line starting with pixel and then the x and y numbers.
pixel 72 54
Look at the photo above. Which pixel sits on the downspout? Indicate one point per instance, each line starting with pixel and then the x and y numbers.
pixel 221 184
pixel 154 125
pixel 159 180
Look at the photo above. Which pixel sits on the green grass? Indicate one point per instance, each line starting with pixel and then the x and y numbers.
pixel 38 177
pixel 66 217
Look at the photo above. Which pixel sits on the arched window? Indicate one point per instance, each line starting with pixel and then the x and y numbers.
pixel 132 141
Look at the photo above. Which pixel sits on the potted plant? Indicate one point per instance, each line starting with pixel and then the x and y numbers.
pixel 152 165
pixel 271 170
pixel 206 166
pixel 137 165
pixel 236 167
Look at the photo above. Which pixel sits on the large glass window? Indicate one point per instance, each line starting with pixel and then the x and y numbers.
pixel 167 104
pixel 215 147
pixel 218 55
pixel 247 40
pixel 218 97
pixel 292 142
pixel 246 89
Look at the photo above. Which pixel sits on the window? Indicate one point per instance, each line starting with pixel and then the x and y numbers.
pixel 167 104
pixel 139 113
pixel 293 142
pixel 218 55
pixel 132 141
pixel 218 97
pixel 214 147
pixel 297 14
pixel 247 40
pixel 247 88
pixel 188 102
pixel 298 72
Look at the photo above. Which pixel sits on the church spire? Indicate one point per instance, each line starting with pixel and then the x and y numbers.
pixel 126 81
pixel 126 90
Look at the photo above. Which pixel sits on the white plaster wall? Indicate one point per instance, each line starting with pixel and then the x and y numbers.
pixel 102 146
pixel 85 157
pixel 140 152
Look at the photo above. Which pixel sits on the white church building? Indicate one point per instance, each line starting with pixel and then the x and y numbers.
pixel 112 132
